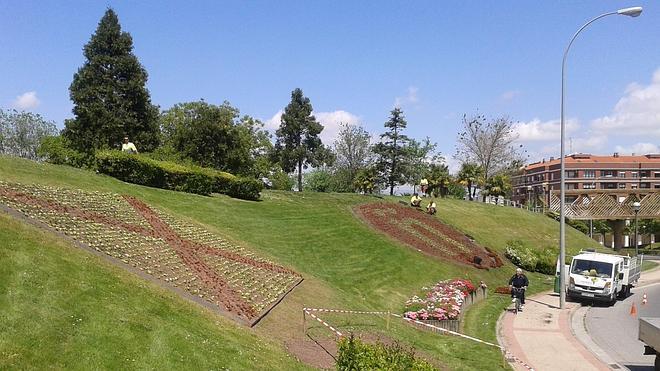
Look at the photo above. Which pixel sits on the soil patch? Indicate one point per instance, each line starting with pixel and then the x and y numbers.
pixel 426 233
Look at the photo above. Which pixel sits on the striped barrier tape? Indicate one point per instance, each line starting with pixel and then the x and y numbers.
pixel 343 311
pixel 326 324
pixel 506 353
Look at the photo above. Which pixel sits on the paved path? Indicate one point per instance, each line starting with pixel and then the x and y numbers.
pixel 541 337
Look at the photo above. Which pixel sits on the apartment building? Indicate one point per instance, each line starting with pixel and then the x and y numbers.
pixel 586 173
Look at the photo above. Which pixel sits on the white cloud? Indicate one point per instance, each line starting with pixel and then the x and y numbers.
pixel 636 113
pixel 509 95
pixel 410 98
pixel 273 123
pixel 331 123
pixel 537 130
pixel 638 148
pixel 26 101
pixel 330 120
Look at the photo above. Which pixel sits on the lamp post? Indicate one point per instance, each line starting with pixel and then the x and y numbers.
pixel 636 206
pixel 631 12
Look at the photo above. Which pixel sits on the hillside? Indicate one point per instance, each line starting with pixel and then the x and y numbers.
pixel 344 262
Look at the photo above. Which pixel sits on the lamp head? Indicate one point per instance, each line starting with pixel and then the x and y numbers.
pixel 631 12
pixel 636 206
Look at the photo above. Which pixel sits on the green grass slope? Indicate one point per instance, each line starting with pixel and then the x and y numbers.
pixel 345 263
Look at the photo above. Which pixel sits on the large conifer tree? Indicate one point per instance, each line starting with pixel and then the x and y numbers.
pixel 393 150
pixel 109 94
pixel 298 144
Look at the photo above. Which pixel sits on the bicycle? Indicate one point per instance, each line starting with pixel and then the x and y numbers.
pixel 517 298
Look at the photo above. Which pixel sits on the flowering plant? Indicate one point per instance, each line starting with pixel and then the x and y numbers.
pixel 443 301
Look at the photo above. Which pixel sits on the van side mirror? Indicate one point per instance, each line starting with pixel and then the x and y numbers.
pixel 621 275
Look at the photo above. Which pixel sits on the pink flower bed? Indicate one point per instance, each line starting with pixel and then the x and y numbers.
pixel 440 302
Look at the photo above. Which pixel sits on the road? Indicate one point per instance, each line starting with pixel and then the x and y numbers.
pixel 614 330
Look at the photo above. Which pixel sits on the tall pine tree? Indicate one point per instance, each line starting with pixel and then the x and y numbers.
pixel 298 144
pixel 109 94
pixel 392 151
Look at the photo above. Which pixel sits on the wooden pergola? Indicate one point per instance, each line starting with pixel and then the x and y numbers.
pixel 607 205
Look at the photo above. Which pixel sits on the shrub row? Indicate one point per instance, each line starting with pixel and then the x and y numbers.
pixel 354 354
pixel 139 169
pixel 531 259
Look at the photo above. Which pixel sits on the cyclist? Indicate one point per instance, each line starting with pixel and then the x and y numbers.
pixel 519 281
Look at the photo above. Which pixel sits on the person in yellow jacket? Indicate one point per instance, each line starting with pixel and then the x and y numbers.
pixel 415 200
pixel 128 146
pixel 424 185
pixel 431 207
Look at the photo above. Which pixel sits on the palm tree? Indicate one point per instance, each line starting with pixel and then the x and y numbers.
pixel 497 186
pixel 439 179
pixel 469 176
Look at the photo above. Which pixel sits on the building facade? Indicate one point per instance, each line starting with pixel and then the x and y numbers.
pixel 586 173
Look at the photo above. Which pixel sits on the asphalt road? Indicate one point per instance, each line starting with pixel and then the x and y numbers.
pixel 615 331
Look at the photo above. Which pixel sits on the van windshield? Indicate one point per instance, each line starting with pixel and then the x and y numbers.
pixel 592 268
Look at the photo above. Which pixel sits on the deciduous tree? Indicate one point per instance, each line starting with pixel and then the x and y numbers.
pixel 353 150
pixel 490 144
pixel 469 176
pixel 22 132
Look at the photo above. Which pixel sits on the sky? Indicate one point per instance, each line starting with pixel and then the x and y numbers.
pixel 356 61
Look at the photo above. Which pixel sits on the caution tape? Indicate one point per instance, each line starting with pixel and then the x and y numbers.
pixel 338 333
pixel 326 324
pixel 343 311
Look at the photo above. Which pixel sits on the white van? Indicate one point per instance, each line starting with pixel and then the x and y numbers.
pixel 598 276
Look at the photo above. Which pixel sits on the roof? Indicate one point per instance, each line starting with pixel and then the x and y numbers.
pixel 582 158
pixel 608 258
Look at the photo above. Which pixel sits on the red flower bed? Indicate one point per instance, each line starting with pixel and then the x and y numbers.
pixel 426 233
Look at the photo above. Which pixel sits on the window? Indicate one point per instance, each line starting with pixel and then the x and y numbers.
pixel 622 185
pixel 656 174
pixel 608 185
pixel 645 185
pixel 571 185
pixel 645 174
pixel 589 186
pixel 633 186
pixel 571 173
pixel 634 174
pixel 592 268
pixel 607 173
pixel 622 174
pixel 657 186
pixel 590 173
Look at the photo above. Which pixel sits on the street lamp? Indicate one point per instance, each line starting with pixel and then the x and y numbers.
pixel 636 206
pixel 631 12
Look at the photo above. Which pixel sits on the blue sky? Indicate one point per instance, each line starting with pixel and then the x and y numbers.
pixel 356 60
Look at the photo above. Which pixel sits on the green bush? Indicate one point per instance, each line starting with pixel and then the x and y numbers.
pixel 356 355
pixel 281 181
pixel 245 188
pixel 318 180
pixel 142 170
pixel 57 150
pixel 531 259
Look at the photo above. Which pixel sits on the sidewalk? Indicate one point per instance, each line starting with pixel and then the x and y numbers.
pixel 541 335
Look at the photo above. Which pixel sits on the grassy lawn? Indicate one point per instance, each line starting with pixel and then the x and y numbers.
pixel 649 264
pixel 66 309
pixel 344 262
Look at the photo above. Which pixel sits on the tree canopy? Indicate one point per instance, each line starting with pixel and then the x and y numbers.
pixel 21 133
pixel 392 151
pixel 214 136
pixel 488 143
pixel 298 144
pixel 109 94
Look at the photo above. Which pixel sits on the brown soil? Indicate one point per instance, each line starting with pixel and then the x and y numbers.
pixel 426 233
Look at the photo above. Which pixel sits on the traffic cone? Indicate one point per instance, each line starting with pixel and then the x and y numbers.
pixel 633 310
pixel 644 299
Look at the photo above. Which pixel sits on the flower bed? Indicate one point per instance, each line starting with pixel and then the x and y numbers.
pixel 444 301
pixel 176 253
pixel 427 233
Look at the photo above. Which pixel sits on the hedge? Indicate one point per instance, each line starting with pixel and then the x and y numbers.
pixel 139 169
pixel 531 259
